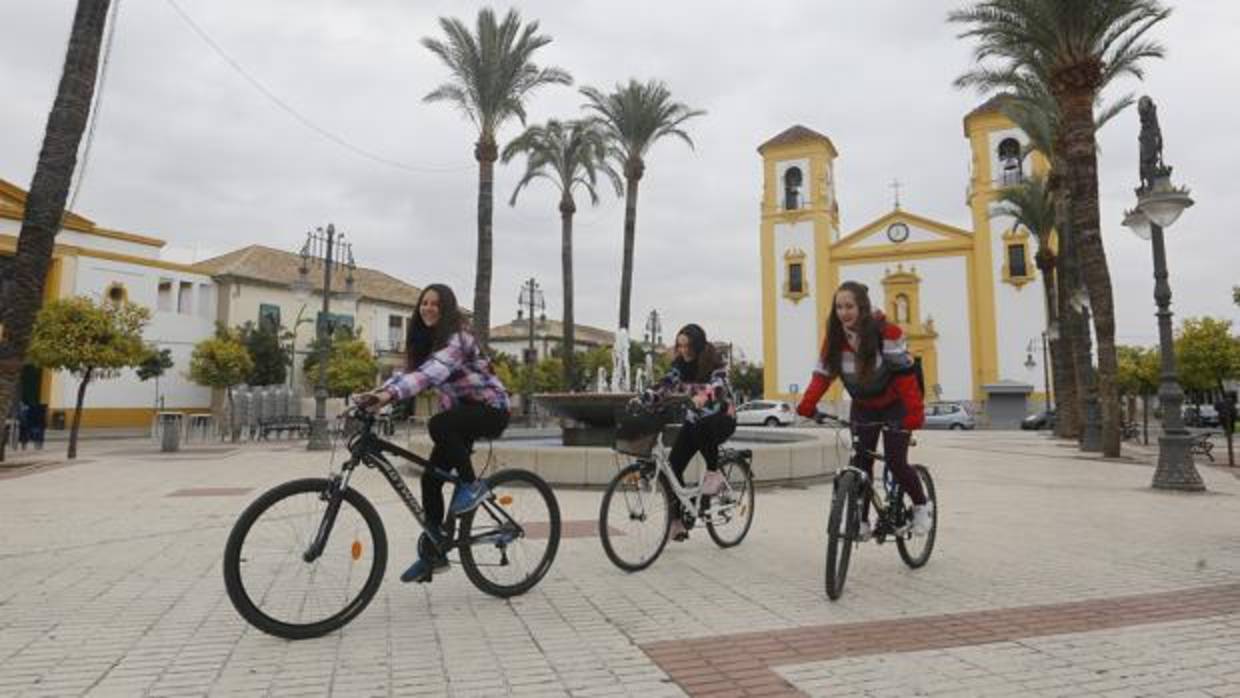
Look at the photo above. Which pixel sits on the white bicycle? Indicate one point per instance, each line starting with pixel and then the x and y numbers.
pixel 635 518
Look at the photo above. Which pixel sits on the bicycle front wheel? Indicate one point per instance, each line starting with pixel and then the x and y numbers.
pixel 842 528
pixel 915 550
pixel 509 542
pixel 635 517
pixel 271 582
pixel 730 513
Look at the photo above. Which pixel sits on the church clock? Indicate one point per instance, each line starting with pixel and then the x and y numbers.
pixel 897 232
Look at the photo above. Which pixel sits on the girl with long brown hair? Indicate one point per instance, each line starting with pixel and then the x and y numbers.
pixel 870 356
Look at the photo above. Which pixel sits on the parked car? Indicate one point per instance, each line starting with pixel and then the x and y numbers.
pixel 949 415
pixel 1200 416
pixel 765 412
pixel 1039 420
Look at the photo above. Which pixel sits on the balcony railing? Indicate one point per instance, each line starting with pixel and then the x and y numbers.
pixel 389 346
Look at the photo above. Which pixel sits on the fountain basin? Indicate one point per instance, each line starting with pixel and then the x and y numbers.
pixel 586 419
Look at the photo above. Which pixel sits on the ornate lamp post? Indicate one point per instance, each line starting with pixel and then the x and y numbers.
pixel 531 299
pixel 654 337
pixel 1030 363
pixel 1159 204
pixel 328 248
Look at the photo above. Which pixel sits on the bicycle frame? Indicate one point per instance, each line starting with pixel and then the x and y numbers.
pixel 367 448
pixel 885 523
pixel 689 497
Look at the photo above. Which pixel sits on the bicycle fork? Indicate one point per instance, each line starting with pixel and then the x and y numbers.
pixel 332 495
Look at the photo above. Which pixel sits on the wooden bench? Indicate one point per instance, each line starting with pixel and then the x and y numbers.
pixel 297 426
pixel 1202 445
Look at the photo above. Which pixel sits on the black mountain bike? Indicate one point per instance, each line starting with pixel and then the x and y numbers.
pixel 894 508
pixel 307 556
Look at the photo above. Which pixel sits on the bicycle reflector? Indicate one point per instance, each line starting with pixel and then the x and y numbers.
pixel 505 499
pixel 356 550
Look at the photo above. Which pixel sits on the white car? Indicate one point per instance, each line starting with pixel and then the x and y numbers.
pixel 765 412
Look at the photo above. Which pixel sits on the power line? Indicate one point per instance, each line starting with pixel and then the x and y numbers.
pixel 304 120
pixel 96 107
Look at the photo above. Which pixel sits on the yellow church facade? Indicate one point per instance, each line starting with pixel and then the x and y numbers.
pixel 969 299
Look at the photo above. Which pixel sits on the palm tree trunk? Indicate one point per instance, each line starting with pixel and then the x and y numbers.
pixel 77 414
pixel 567 209
pixel 49 188
pixel 486 151
pixel 1080 153
pixel 1059 374
pixel 1068 407
pixel 632 175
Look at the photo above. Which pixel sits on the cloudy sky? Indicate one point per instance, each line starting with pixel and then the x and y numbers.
pixel 187 150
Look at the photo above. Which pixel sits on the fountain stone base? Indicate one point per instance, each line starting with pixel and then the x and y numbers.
pixel 586 419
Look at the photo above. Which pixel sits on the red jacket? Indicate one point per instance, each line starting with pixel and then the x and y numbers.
pixel 900 381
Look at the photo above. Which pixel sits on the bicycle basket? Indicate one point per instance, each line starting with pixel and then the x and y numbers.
pixel 637 431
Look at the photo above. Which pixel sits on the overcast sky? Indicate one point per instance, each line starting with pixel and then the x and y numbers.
pixel 187 150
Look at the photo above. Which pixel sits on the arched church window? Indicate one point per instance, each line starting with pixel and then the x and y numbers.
pixel 902 308
pixel 1010 171
pixel 793 178
pixel 116 293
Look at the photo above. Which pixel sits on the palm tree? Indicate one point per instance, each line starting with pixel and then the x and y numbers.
pixel 570 155
pixel 635 116
pixel 1032 108
pixel 492 72
pixel 1075 48
pixel 49 189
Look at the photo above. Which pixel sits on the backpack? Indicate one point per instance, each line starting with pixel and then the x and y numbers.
pixel 915 369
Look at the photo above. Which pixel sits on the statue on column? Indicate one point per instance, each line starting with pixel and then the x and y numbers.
pixel 1151 144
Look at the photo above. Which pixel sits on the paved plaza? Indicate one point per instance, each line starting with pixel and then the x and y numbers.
pixel 1053 575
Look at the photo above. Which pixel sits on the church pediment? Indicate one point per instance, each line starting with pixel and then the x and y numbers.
pixel 899 230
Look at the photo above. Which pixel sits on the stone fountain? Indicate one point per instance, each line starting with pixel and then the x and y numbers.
pixel 589 419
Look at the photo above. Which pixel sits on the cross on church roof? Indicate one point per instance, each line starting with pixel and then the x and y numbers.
pixel 895 185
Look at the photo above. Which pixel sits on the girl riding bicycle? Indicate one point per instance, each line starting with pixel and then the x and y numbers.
pixel 871 357
pixel 442 355
pixel 699 372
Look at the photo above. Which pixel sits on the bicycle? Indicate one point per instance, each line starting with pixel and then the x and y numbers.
pixel 307 556
pixel 894 508
pixel 635 516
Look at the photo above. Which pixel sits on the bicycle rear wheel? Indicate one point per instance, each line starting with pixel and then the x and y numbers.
pixel 915 550
pixel 842 528
pixel 509 542
pixel 729 514
pixel 270 581
pixel 635 517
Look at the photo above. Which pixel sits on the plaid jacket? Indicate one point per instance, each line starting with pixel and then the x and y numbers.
pixel 460 372
pixel 717 391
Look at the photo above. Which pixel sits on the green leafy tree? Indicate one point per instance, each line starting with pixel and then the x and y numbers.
pixel 271 356
pixel 155 363
pixel 492 73
pixel 1138 378
pixel 89 340
pixel 49 191
pixel 1207 354
pixel 351 368
pixel 746 379
pixel 635 117
pixel 569 155
pixel 1074 49
pixel 222 362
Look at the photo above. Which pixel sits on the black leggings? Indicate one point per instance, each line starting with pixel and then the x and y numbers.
pixel 702 436
pixel 895 449
pixel 454 432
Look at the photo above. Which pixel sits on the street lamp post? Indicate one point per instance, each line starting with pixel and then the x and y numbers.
pixel 329 249
pixel 654 337
pixel 531 299
pixel 1046 369
pixel 1159 204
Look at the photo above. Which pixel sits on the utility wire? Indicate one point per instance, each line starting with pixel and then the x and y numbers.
pixel 80 174
pixel 305 121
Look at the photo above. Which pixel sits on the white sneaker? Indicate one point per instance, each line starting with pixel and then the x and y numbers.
pixel 713 483
pixel 864 532
pixel 922 518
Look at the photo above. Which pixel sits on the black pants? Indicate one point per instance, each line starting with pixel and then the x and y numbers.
pixel 868 424
pixel 454 432
pixel 702 436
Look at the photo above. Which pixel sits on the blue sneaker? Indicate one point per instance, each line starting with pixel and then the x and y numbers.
pixel 421 570
pixel 468 496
